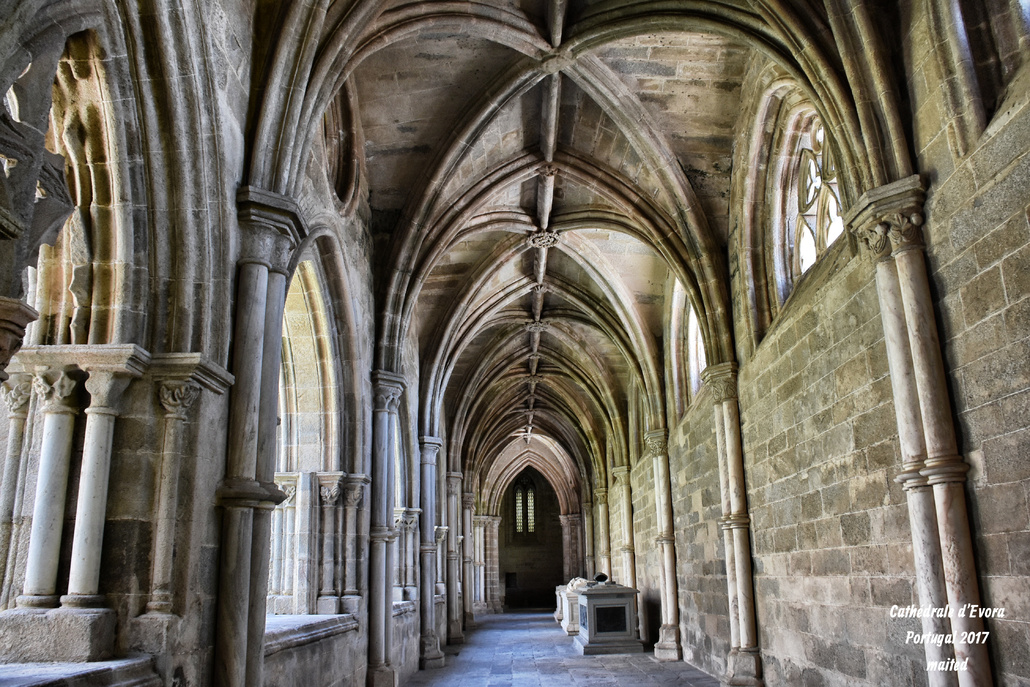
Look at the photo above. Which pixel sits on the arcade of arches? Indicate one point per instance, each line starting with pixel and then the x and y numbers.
pixel 327 327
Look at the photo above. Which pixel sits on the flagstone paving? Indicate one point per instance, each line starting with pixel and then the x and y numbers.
pixel 531 650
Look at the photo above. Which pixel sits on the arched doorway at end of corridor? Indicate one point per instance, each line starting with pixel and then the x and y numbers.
pixel 530 547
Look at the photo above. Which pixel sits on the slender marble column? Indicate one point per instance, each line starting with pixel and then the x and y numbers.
pixel 588 539
pixel 493 563
pixel 629 569
pixel 355 542
pixel 468 509
pixel 479 561
pixel 106 386
pixel 888 218
pixel 455 631
pixel 604 546
pixel 926 548
pixel 668 645
pixel 387 390
pixel 329 491
pixel 944 469
pixel 57 387
pixel 17 391
pixel 430 655
pixel 724 525
pixel 744 663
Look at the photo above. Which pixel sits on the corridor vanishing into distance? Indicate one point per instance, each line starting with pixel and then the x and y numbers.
pixel 530 650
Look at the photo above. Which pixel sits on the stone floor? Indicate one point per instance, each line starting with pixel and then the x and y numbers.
pixel 531 650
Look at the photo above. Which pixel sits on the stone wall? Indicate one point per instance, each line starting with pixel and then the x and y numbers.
pixel 325 650
pixel 648 555
pixel 700 558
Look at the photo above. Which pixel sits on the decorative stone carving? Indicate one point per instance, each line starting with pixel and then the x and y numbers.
pixel 722 380
pixel 537 327
pixel 177 397
pixel 330 494
pixel 16 392
pixel 545 238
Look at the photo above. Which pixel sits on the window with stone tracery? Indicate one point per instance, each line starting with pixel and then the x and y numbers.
pixel 696 360
pixel 813 208
pixel 525 507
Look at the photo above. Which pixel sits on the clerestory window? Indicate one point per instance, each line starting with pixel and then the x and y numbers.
pixel 525 507
pixel 813 209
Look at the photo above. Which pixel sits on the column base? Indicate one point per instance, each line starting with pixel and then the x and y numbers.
pixel 327 605
pixel 430 655
pixel 383 676
pixel 58 635
pixel 668 646
pixel 470 621
pixel 83 601
pixel 38 601
pixel 454 633
pixel 153 633
pixel 743 668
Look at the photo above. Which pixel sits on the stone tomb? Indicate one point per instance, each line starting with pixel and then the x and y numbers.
pixel 608 620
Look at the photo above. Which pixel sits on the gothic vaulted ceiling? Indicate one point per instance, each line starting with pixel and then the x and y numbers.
pixel 549 175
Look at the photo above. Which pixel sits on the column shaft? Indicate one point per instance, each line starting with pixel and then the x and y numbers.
pixel 16 392
pixel 51 491
pixel 430 655
pixel 944 468
pixel 922 515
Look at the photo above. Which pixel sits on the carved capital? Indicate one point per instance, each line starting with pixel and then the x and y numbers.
pixel 57 388
pixel 722 380
pixel 468 501
pixel 454 483
pixel 386 390
pixel 601 496
pixel 16 392
pixel 904 231
pixel 272 227
pixel 330 494
pixel 354 490
pixel 177 397
pixel 656 442
pixel 430 449
pixel 889 214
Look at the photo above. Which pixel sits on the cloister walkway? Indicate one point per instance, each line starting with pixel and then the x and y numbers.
pixel 531 650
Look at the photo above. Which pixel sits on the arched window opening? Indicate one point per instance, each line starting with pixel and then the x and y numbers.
pixel 525 506
pixel 813 209
pixel 696 360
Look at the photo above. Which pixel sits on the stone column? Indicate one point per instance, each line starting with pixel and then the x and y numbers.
pixel 724 522
pixel 387 390
pixel 588 539
pixel 668 645
pixel 468 509
pixel 894 213
pixel 620 474
pixel 744 662
pixel 17 391
pixel 919 495
pixel 604 546
pixel 493 564
pixel 110 371
pixel 57 387
pixel 15 315
pixel 568 562
pixel 354 542
pixel 479 562
pixel 329 490
pixel 271 227
pixel 176 397
pixel 430 655
pixel 455 630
